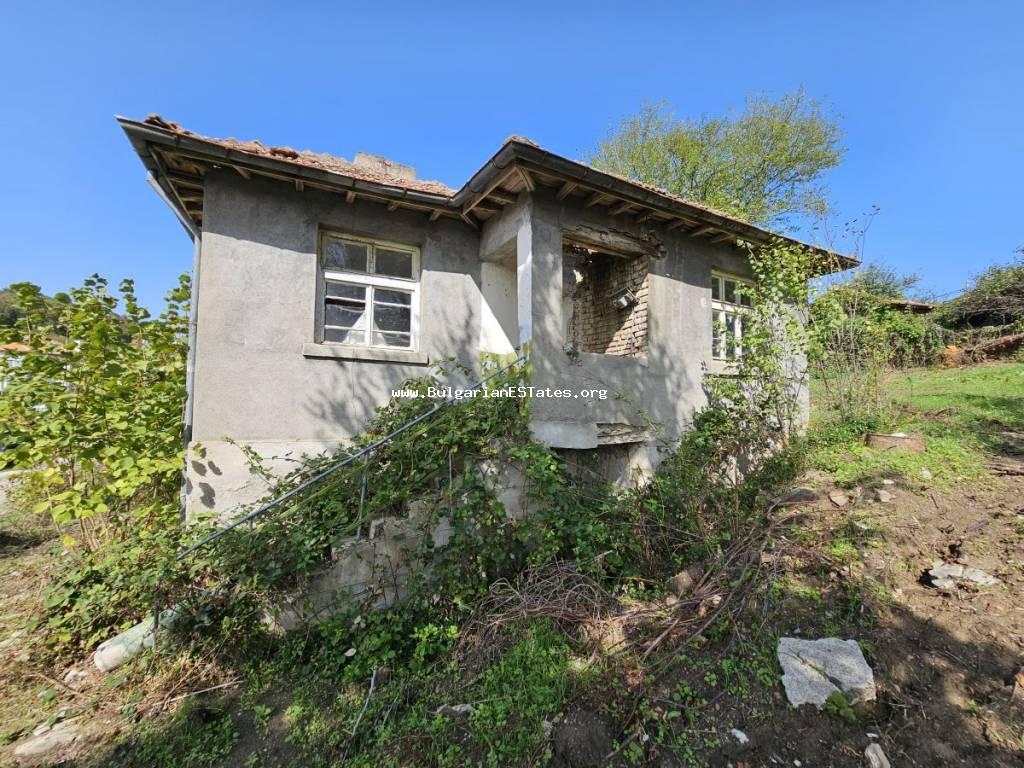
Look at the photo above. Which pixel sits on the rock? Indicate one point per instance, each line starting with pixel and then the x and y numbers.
pixel 883 496
pixel 800 495
pixel 740 736
pixel 839 498
pixel 683 583
pixel 813 670
pixel 897 441
pixel 48 740
pixel 455 711
pixel 947 575
pixel 582 740
pixel 73 676
pixel 876 757
pixel 926 474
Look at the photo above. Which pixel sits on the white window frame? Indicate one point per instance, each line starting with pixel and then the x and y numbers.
pixel 370 281
pixel 721 310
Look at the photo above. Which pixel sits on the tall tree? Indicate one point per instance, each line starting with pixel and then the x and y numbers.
pixel 764 165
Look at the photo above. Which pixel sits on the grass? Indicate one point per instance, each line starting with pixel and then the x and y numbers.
pixel 965 414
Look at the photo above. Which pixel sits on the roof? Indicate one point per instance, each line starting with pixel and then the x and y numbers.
pixel 306 158
pixel 14 346
pixel 917 307
pixel 179 159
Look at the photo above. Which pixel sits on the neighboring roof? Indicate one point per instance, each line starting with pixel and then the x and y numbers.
pixel 178 159
pixel 917 307
pixel 14 346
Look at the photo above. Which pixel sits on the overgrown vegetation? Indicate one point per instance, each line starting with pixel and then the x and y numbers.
pixel 92 413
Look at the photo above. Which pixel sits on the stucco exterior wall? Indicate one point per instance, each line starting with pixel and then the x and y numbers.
pixel 257 314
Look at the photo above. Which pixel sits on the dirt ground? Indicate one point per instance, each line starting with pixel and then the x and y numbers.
pixel 947 664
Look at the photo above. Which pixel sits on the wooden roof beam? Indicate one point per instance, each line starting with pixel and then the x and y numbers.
pixel 703 231
pixel 597 197
pixel 478 198
pixel 566 190
pixel 620 209
pixel 528 181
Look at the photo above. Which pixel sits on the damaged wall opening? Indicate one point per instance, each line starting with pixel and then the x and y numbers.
pixel 604 302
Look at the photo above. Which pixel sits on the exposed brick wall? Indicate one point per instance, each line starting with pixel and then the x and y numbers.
pixel 597 326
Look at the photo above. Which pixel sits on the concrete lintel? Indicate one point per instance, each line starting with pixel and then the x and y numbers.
pixel 565 434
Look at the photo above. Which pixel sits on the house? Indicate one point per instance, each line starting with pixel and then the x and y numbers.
pixel 11 353
pixel 321 284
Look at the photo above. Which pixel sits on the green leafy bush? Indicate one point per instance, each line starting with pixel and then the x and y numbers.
pixel 92 410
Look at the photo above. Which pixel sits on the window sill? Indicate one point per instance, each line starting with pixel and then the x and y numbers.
pixel 371 354
pixel 722 368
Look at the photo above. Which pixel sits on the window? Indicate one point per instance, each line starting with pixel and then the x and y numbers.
pixel 730 301
pixel 370 292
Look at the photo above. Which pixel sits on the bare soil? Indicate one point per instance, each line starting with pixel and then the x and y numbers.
pixel 947 664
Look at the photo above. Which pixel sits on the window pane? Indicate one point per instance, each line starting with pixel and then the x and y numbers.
pixel 344 291
pixel 349 256
pixel 730 291
pixel 730 336
pixel 391 339
pixel 344 336
pixel 392 297
pixel 716 334
pixel 393 263
pixel 392 319
pixel 345 315
pixel 716 288
pixel 745 297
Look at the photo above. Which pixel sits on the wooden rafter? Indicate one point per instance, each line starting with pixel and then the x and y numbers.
pixel 478 198
pixel 435 214
pixel 350 196
pixel 703 231
pixel 597 197
pixel 528 181
pixel 243 172
pixel 620 209
pixel 299 185
pixel 566 190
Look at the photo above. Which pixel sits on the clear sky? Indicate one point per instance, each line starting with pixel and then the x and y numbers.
pixel 931 96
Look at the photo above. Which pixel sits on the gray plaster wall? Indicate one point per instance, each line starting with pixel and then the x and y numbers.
pixel 255 382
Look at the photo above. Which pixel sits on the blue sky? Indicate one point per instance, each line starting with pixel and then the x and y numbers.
pixel 929 94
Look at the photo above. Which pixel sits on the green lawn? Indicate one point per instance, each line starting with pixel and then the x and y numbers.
pixel 965 414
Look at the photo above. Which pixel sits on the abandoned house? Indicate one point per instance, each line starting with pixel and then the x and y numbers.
pixel 321 284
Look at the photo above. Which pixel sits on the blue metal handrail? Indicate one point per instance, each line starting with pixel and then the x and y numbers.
pixel 277 502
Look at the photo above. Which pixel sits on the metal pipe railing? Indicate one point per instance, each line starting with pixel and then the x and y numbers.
pixel 277 502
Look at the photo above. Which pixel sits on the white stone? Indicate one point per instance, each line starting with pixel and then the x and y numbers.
pixel 813 670
pixel 876 757
pixel 740 736
pixel 838 497
pixel 946 575
pixel 48 741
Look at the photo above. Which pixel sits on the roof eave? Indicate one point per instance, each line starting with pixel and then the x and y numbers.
pixel 145 137
pixel 517 151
